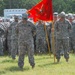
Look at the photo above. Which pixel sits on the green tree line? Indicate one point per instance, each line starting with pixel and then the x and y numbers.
pixel 58 5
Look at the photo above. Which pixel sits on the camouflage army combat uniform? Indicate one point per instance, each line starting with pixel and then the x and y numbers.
pixel 9 40
pixel 14 40
pixel 49 26
pixel 6 26
pixel 25 42
pixel 73 36
pixel 1 40
pixel 62 29
pixel 41 46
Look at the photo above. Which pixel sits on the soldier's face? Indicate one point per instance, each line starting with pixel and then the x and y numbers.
pixel 55 18
pixel 62 18
pixel 24 19
pixel 71 20
pixel 16 19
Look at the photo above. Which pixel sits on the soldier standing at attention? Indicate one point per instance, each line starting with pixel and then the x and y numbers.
pixel 73 36
pixel 70 18
pixel 41 45
pixel 2 33
pixel 26 31
pixel 62 29
pixel 14 38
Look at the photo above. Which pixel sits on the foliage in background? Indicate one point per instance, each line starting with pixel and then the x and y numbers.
pixel 64 5
pixel 58 5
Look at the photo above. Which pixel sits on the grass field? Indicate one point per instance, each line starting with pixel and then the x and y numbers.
pixel 44 66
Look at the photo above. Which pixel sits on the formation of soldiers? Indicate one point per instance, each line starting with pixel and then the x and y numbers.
pixel 21 37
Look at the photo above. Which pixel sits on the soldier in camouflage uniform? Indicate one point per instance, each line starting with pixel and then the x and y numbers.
pixel 41 46
pixel 73 36
pixel 26 31
pixel 62 29
pixel 9 40
pixel 4 27
pixel 70 18
pixel 48 29
pixel 2 33
pixel 14 38
pixel 55 18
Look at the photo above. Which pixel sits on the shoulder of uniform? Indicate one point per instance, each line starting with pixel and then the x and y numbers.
pixel 12 23
pixel 58 21
pixel 19 23
pixel 74 21
pixel 30 23
pixel 66 20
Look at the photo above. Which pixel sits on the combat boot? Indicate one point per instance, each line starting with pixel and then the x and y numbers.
pixel 33 66
pixel 21 68
pixel 58 60
pixel 13 58
pixel 66 60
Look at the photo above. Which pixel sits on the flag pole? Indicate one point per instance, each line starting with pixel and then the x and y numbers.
pixel 47 39
pixel 53 41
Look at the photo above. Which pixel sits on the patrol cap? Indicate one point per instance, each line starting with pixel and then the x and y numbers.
pixel 55 13
pixel 25 15
pixel 70 16
pixel 62 14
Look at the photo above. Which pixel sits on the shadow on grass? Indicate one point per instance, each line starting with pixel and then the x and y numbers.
pixel 43 58
pixel 14 69
pixel 2 72
pixel 11 61
pixel 48 64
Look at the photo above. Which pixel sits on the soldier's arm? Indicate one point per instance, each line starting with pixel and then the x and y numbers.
pixel 1 32
pixel 69 26
pixel 16 28
pixel 10 28
pixel 33 30
pixel 56 27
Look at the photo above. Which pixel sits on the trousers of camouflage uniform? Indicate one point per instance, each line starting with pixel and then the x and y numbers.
pixel 12 40
pixel 2 33
pixel 73 43
pixel 49 35
pixel 14 48
pixel 62 30
pixel 1 47
pixel 9 46
pixel 41 45
pixel 24 48
pixel 62 47
pixel 73 37
pixel 25 43
pixel 9 40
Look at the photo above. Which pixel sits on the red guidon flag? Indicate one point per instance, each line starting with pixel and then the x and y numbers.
pixel 42 11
